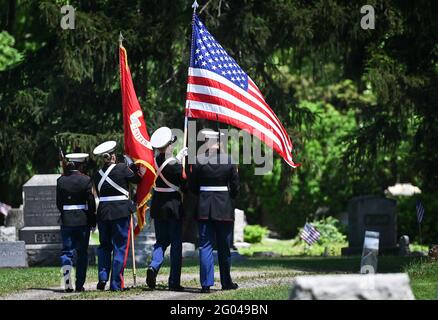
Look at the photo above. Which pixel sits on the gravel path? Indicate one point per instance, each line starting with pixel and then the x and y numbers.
pixel 245 279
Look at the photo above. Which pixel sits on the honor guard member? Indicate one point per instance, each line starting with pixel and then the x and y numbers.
pixel 215 179
pixel 113 215
pixel 75 201
pixel 167 209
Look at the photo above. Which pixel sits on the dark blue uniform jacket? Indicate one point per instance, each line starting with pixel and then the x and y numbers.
pixel 112 210
pixel 75 188
pixel 215 170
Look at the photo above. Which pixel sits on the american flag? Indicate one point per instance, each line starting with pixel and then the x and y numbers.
pixel 219 90
pixel 420 211
pixel 4 208
pixel 310 234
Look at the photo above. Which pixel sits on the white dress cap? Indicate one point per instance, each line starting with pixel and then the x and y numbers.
pixel 106 147
pixel 77 157
pixel 161 137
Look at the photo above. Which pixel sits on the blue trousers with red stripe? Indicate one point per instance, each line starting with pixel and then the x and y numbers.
pixel 114 237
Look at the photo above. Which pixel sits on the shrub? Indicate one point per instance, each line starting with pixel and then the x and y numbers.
pixel 329 229
pixel 254 233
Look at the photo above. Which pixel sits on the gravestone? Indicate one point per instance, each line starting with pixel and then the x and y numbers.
pixel 189 250
pixel 15 219
pixel 40 201
pixel 143 246
pixel 8 234
pixel 239 227
pixel 368 263
pixel 390 286
pixel 41 231
pixel 372 213
pixel 12 254
pixel 433 252
pixel 403 244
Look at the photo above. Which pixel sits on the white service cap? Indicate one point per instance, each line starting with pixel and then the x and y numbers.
pixel 106 147
pixel 77 157
pixel 162 137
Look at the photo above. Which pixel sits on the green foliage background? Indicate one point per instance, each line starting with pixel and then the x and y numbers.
pixel 254 233
pixel 359 105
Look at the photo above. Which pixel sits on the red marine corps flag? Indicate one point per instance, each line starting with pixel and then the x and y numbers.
pixel 136 138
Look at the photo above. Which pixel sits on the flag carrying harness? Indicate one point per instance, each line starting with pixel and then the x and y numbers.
pixel 105 177
pixel 171 186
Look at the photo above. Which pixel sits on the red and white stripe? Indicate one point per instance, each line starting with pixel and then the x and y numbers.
pixel 211 96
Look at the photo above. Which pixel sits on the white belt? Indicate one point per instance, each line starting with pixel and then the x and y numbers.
pixel 75 207
pixel 213 188
pixel 113 198
pixel 164 189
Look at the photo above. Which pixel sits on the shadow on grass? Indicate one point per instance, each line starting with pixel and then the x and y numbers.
pixel 196 290
pixel 49 289
pixel 386 264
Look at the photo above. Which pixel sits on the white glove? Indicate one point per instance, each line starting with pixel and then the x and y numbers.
pixel 181 154
pixel 128 160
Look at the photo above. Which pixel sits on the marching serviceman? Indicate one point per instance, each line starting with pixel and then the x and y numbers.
pixel 75 201
pixel 167 209
pixel 113 215
pixel 215 179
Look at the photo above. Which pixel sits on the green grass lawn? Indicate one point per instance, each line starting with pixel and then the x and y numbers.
pixel 299 248
pixel 292 248
pixel 272 292
pixel 423 275
pixel 424 279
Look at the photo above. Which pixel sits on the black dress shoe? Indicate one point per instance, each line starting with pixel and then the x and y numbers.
pixel 232 286
pixel 101 285
pixel 69 290
pixel 178 288
pixel 151 278
pixel 80 289
pixel 205 290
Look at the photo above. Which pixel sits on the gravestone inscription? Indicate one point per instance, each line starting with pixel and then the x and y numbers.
pixel 41 231
pixel 12 254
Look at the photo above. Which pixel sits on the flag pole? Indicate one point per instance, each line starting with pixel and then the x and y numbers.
pixel 134 271
pixel 419 221
pixel 195 5
pixel 121 39
pixel 131 226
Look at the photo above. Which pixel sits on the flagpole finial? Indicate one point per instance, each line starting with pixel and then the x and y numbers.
pixel 195 5
pixel 121 39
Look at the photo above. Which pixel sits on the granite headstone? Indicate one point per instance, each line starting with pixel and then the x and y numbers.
pixel 41 231
pixel 239 225
pixel 40 201
pixel 7 234
pixel 15 219
pixel 372 213
pixel 12 254
pixel 389 286
pixel 403 244
pixel 143 246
